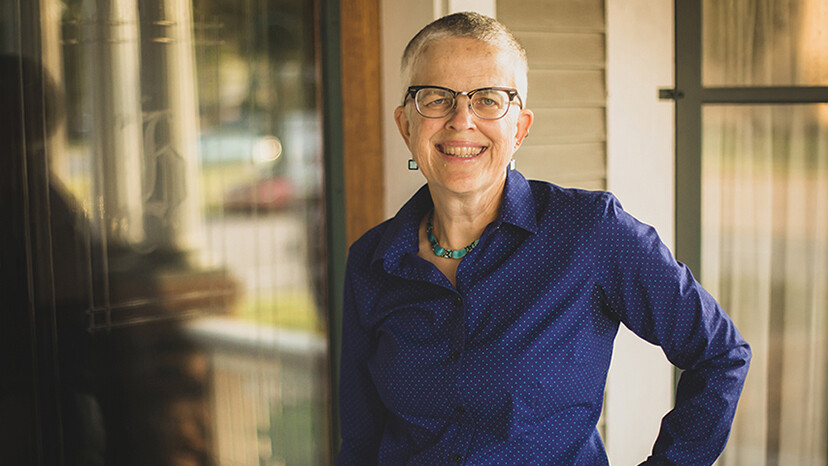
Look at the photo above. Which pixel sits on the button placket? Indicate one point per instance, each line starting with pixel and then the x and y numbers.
pixel 455 356
pixel 457 351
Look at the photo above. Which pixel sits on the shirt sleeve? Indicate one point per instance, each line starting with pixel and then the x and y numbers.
pixel 361 412
pixel 658 299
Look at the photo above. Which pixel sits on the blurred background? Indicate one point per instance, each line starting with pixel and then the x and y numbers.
pixel 167 160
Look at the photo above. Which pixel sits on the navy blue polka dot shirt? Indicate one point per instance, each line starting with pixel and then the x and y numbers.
pixel 509 367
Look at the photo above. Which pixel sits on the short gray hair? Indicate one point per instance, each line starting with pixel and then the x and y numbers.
pixel 470 25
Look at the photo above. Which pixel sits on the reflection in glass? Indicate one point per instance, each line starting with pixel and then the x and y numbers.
pixel 765 256
pixel 765 43
pixel 176 228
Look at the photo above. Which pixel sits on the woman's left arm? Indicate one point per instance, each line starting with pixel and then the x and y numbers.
pixel 658 299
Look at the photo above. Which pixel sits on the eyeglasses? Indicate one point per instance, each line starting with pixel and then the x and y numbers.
pixel 488 103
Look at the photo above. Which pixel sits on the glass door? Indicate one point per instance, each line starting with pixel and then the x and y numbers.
pixel 752 180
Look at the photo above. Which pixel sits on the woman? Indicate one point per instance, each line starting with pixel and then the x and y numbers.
pixel 479 321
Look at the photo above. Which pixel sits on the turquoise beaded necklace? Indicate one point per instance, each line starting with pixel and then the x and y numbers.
pixel 443 252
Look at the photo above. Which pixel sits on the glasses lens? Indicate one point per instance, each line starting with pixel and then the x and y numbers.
pixel 434 103
pixel 490 104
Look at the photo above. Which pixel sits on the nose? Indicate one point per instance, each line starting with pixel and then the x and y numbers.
pixel 461 117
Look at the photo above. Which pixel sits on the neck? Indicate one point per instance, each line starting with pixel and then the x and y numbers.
pixel 461 219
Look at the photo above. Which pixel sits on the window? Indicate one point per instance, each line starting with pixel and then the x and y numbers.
pixel 752 206
pixel 169 154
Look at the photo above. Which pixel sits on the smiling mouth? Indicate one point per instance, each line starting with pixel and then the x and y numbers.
pixel 461 151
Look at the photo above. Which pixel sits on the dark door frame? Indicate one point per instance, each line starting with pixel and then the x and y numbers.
pixel 350 37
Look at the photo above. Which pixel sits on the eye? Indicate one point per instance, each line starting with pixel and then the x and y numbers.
pixel 489 99
pixel 433 98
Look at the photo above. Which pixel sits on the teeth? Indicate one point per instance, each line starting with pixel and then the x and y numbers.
pixel 462 151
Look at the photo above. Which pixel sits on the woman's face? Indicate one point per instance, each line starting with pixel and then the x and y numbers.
pixel 462 153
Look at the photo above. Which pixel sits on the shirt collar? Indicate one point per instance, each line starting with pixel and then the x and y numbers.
pixel 518 207
pixel 401 236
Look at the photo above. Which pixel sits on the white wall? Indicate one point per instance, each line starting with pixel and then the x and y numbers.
pixel 399 22
pixel 640 173
pixel 640 134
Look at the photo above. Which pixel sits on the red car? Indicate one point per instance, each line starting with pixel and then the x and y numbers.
pixel 266 193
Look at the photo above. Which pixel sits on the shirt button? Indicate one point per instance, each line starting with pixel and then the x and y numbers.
pixel 459 300
pixel 455 356
pixel 460 410
pixel 456 458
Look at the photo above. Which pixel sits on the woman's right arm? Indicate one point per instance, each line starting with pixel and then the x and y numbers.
pixel 360 410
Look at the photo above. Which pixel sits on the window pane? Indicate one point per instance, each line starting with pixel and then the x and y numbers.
pixel 765 256
pixel 170 153
pixel 765 43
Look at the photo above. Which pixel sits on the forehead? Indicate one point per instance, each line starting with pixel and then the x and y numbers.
pixel 464 64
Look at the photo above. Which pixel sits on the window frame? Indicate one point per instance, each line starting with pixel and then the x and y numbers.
pixel 690 96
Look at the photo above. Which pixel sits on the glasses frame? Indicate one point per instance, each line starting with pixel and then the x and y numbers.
pixel 511 92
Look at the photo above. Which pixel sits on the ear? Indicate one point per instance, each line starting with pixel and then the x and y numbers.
pixel 524 122
pixel 403 124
